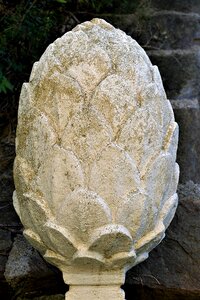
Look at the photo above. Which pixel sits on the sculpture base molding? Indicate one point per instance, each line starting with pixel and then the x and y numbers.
pixel 95 292
pixel 95 285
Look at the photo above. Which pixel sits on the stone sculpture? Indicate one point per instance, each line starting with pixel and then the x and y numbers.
pixel 95 169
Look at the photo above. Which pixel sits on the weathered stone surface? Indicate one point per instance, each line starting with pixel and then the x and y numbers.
pixel 170 30
pixel 180 71
pixel 176 273
pixel 95 171
pixel 5 242
pixel 49 297
pixel 179 5
pixel 187 114
pixel 28 273
pixel 172 43
pixel 5 290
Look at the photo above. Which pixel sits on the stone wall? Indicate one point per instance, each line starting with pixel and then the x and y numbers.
pixel 170 33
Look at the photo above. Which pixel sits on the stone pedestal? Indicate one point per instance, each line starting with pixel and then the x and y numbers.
pixel 94 285
pixel 95 292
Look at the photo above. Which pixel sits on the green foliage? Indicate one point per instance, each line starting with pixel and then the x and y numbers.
pixel 5 84
pixel 62 1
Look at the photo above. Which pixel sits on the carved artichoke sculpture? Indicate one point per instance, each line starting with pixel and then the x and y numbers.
pixel 95 169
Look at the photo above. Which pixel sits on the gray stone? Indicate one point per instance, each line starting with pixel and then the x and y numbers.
pixel 5 290
pixel 5 241
pixel 174 264
pixel 179 5
pixel 169 30
pixel 180 71
pixel 49 297
pixel 188 156
pixel 28 274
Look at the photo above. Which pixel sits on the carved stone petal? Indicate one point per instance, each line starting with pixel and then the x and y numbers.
pixel 131 212
pixel 158 179
pixel 34 240
pixel 24 177
pixel 171 191
pixel 38 141
pixel 16 204
pixel 168 210
pixel 86 135
pixel 61 240
pixel 111 239
pixel 122 260
pixel 60 177
pixel 113 176
pixel 37 212
pixel 91 69
pixel 151 239
pixel 25 100
pixel 23 182
pixel 88 259
pixel 59 97
pixel 56 259
pixel 109 101
pixel 142 138
pixel 81 212
pixel 171 140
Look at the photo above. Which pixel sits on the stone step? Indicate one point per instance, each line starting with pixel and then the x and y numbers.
pixel 169 30
pixel 172 270
pixel 179 70
pixel 187 115
pixel 179 5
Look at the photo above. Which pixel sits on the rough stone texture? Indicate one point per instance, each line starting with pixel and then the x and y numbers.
pixel 95 171
pixel 187 113
pixel 28 273
pixel 157 30
pixel 178 5
pixel 171 40
pixel 186 63
pixel 5 242
pixel 176 272
pixel 52 297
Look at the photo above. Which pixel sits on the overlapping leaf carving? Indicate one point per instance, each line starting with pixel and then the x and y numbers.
pixel 95 171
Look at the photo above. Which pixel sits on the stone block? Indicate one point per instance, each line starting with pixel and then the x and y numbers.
pixel 187 114
pixel 178 5
pixel 28 274
pixel 48 297
pixel 169 30
pixel 5 242
pixel 180 71
pixel 172 270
